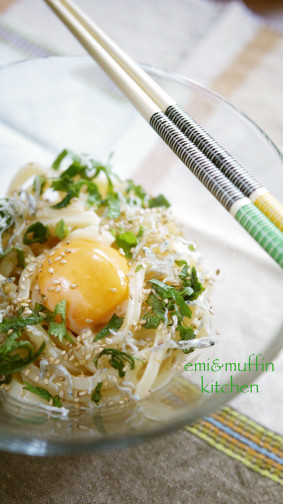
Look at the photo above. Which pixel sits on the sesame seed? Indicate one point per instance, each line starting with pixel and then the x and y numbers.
pixel 57 258
pixel 113 289
pixel 52 253
pixel 27 372
pixel 88 356
pixel 63 254
pixel 58 289
pixel 83 393
pixel 50 289
pixel 51 360
pixel 28 312
pixel 46 381
pixel 25 305
pixel 61 394
pixel 36 378
pixel 56 282
pixel 56 362
pixel 51 402
pixel 88 321
pixel 63 261
pixel 71 358
pixel 50 270
pixel 9 332
pixel 108 341
pixel 73 286
pixel 49 261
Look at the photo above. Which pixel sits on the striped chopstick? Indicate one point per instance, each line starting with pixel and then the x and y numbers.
pixel 144 95
pixel 260 196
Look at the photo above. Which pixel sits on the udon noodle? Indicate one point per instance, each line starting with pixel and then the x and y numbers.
pixel 67 336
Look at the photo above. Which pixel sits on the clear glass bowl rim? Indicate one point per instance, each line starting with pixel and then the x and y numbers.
pixel 41 447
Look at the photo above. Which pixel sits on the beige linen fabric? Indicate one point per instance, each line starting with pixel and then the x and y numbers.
pixel 175 469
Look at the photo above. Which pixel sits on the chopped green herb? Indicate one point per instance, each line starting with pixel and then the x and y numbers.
pixel 43 393
pixel 65 201
pixel 36 233
pixel 118 360
pixel 58 329
pixel 181 262
pixel 11 362
pixel 94 195
pixel 114 323
pixel 186 333
pixel 6 380
pixel 140 232
pixel 158 201
pixel 20 256
pixel 61 230
pixel 138 190
pixel 138 268
pixel 167 301
pixel 16 323
pixel 56 164
pixel 157 315
pixel 126 241
pixel 96 395
pixel 39 183
pixel 113 202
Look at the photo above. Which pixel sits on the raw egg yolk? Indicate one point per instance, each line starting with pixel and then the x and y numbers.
pixel 91 277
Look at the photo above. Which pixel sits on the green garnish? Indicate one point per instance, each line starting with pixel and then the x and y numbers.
pixel 43 393
pixel 11 362
pixel 58 329
pixel 61 230
pixel 96 395
pixel 82 173
pixel 113 201
pixel 138 268
pixel 20 255
pixel 138 191
pixel 6 380
pixel 167 301
pixel 39 183
pixel 158 201
pixel 140 232
pixel 20 322
pixel 118 360
pixel 126 241
pixel 186 333
pixel 36 233
pixel 114 323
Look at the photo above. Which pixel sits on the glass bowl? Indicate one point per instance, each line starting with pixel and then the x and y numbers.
pixel 47 105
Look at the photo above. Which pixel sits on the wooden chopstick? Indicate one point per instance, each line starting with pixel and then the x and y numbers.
pixel 260 196
pixel 233 199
